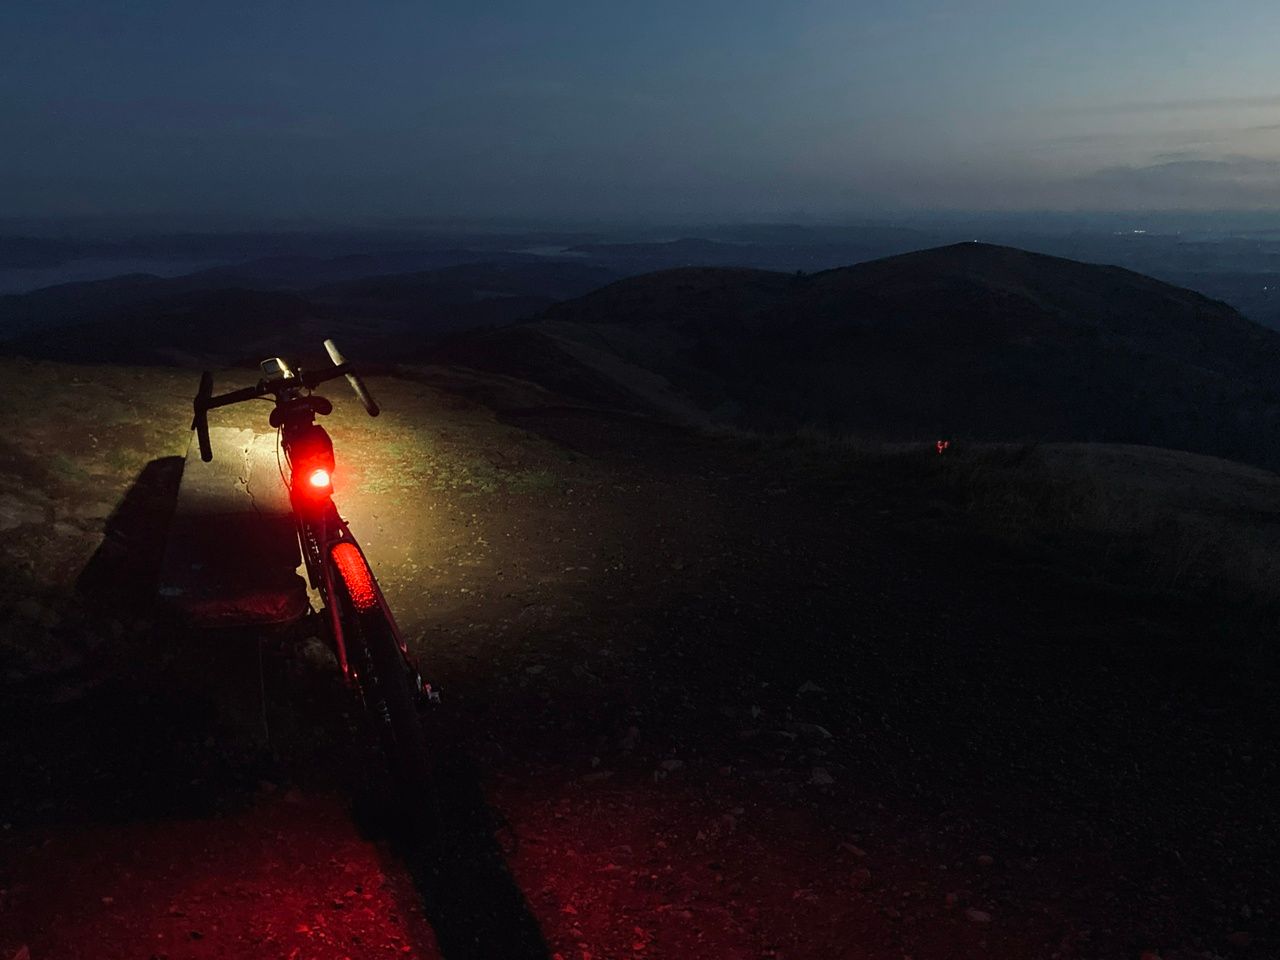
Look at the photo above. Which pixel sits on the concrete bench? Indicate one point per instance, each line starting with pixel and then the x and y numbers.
pixel 232 555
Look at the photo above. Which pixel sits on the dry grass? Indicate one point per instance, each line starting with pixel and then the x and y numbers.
pixel 1166 520
pixel 1138 517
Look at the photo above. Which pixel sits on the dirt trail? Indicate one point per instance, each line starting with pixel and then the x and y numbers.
pixel 703 701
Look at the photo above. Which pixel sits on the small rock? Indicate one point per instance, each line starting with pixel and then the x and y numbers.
pixel 813 731
pixel 536 669
pixel 820 777
pixel 810 687
pixel 986 860
pixel 978 916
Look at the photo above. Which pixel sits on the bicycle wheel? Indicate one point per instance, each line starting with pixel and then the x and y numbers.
pixel 386 684
pixel 393 705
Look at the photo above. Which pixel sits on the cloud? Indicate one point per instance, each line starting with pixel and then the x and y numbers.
pixel 1173 106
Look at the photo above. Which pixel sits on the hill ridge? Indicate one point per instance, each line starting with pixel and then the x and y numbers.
pixel 969 339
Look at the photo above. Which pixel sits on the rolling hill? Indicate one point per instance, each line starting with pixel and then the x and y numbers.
pixel 221 315
pixel 969 340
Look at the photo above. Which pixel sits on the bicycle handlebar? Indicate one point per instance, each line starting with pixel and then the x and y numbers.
pixel 200 424
pixel 206 401
pixel 353 378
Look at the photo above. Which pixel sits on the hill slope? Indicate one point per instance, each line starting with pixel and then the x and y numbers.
pixel 145 318
pixel 970 340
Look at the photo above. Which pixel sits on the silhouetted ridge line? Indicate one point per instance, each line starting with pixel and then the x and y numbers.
pixel 968 340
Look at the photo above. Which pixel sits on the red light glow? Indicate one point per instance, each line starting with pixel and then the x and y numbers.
pixel 320 478
pixel 356 575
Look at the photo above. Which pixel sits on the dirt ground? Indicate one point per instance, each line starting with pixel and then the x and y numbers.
pixel 701 698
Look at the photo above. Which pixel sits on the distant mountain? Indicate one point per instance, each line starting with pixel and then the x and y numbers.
pixel 37 251
pixel 762 247
pixel 73 303
pixel 144 318
pixel 552 279
pixel 969 340
pixel 223 325
pixel 302 272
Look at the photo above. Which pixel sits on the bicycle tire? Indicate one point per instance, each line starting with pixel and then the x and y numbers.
pixel 390 696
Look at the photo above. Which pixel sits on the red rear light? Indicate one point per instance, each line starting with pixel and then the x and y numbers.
pixel 320 478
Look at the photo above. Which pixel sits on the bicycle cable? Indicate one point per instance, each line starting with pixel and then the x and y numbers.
pixel 279 463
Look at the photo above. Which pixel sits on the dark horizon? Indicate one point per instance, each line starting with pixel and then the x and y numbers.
pixel 109 227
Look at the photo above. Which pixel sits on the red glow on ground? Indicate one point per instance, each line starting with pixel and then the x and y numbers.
pixel 356 575
pixel 253 885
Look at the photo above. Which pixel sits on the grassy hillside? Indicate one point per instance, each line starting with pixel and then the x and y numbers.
pixel 969 340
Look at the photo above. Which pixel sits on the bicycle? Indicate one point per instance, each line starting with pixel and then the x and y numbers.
pixel 354 616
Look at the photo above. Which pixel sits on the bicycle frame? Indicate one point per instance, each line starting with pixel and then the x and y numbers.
pixel 320 531
pixel 323 536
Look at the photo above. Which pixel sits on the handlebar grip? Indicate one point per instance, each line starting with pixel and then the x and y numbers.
pixel 357 384
pixel 200 423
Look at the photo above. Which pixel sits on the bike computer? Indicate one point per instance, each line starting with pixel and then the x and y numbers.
pixel 275 368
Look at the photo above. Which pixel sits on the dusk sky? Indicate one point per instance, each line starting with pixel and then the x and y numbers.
pixel 725 108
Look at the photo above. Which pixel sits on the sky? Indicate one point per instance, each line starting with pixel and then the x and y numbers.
pixel 360 111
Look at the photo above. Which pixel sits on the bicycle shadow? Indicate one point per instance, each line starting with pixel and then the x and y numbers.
pixel 461 880
pixel 476 909
pixel 124 570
